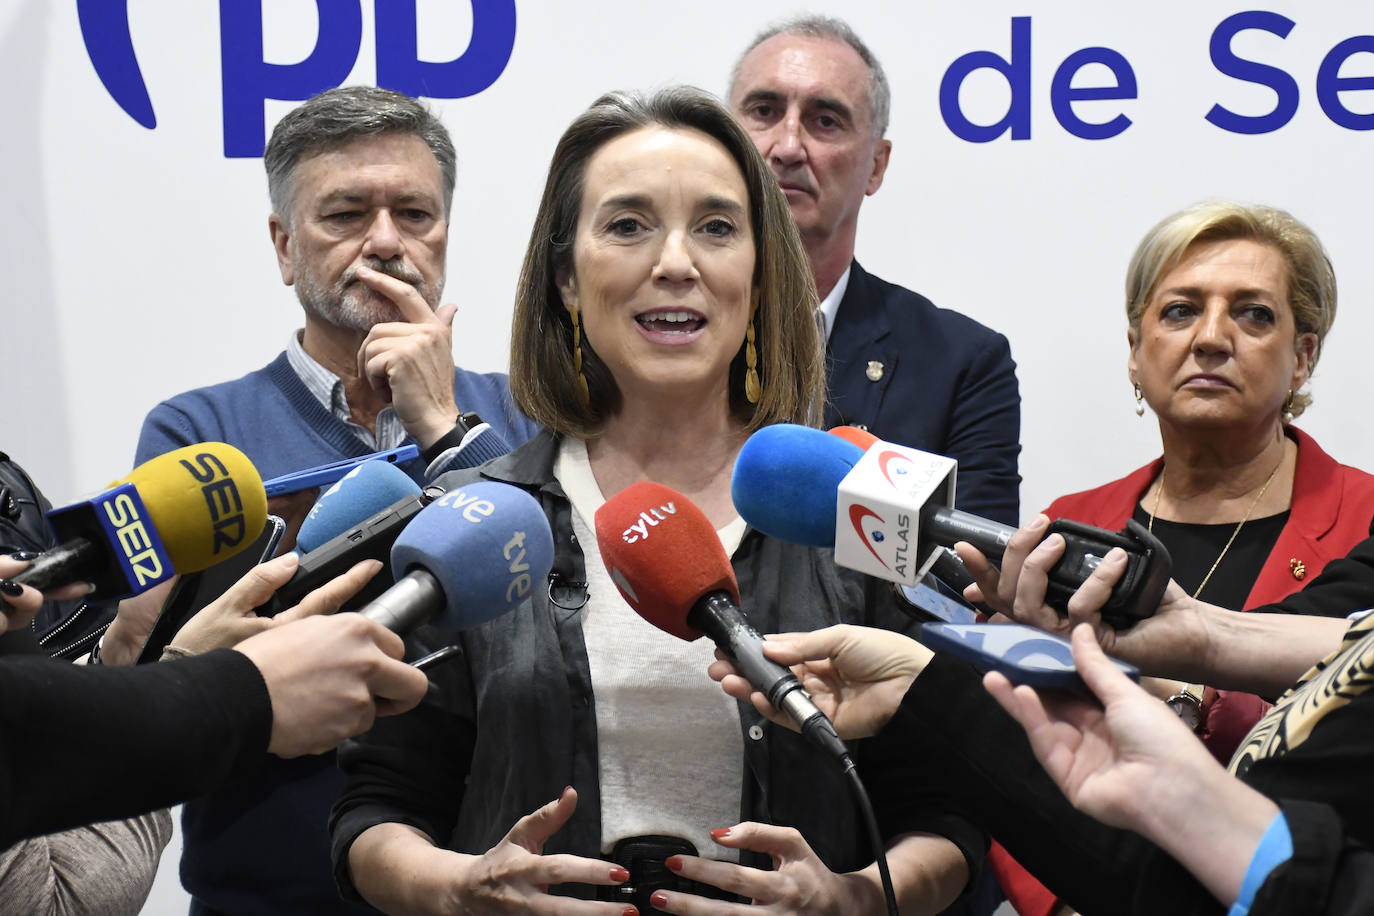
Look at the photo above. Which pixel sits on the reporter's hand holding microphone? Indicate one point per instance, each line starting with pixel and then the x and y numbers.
pixel 327 677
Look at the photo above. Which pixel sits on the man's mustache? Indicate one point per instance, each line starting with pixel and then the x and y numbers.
pixel 392 268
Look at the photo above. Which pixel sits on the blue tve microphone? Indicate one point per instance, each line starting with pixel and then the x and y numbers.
pixel 473 554
pixel 364 491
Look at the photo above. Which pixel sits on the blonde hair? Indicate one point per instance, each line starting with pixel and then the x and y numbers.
pixel 1311 278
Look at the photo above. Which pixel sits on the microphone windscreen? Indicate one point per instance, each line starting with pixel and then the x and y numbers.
pixel 860 437
pixel 361 493
pixel 206 501
pixel 663 554
pixel 785 482
pixel 487 544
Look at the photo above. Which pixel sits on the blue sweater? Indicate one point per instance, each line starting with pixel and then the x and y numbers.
pixel 259 845
pixel 282 428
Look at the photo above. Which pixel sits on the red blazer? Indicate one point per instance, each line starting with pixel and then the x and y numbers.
pixel 1332 507
pixel 1331 512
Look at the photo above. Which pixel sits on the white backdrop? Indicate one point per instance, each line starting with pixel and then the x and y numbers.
pixel 138 262
pixel 140 266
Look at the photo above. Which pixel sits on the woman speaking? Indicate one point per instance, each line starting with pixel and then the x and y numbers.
pixel 663 314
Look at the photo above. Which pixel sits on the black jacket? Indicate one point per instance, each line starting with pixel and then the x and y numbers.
pixel 513 721
pixel 932 379
pixel 1316 768
pixel 64 628
pixel 80 743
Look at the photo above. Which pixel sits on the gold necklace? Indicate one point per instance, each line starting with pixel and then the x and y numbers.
pixel 1229 541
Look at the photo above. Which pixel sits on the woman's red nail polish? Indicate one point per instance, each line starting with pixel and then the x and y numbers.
pixel 720 832
pixel 619 875
pixel 630 911
pixel 658 898
pixel 674 863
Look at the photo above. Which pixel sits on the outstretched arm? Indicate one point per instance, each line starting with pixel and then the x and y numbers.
pixel 1129 762
pixel 856 675
pixel 1185 639
pixel 20 603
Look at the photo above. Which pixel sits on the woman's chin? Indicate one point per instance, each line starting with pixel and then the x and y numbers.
pixel 1204 418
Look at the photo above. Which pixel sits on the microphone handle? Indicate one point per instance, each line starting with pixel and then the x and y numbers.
pixel 68 562
pixel 946 526
pixel 1135 596
pixel 717 615
pixel 411 602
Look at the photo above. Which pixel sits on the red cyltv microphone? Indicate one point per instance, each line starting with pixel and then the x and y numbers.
pixel 668 563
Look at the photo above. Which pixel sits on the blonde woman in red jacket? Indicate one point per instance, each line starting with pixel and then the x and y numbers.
pixel 1227 306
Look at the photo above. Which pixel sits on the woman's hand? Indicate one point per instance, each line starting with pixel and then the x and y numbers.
pixel 1108 758
pixel 798 883
pixel 856 675
pixel 514 875
pixel 397 869
pixel 1129 762
pixel 133 624
pixel 1173 640
pixel 232 617
pixel 19 604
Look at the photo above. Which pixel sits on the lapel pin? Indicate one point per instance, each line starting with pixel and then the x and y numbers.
pixel 874 371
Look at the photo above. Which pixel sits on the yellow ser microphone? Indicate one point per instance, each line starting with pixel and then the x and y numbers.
pixel 180 512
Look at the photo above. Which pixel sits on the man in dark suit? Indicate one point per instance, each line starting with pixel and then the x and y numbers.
pixel 816 102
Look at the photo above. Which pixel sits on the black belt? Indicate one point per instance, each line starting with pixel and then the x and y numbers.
pixel 642 857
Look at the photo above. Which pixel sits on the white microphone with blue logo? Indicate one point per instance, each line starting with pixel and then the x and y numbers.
pixel 885 502
pixel 888 512
pixel 371 487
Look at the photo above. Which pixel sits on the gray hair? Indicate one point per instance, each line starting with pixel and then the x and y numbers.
pixel 829 27
pixel 337 117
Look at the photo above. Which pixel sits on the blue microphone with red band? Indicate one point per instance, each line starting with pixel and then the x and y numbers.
pixel 789 481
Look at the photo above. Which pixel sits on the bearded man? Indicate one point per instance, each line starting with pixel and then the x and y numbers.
pixel 361 182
